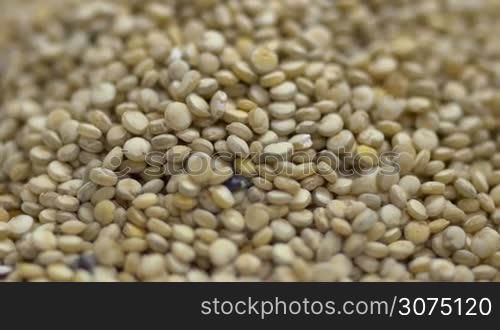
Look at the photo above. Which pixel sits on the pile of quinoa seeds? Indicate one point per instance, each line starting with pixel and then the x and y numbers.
pixel 249 140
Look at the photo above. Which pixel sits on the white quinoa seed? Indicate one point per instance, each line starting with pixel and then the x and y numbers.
pixel 103 177
pixel 425 139
pixel 281 150
pixel 136 149
pixel 20 224
pixel 222 197
pixel 135 122
pixel 256 217
pixel 103 95
pixel 416 210
pixel 222 252
pixel 177 116
pixel 264 60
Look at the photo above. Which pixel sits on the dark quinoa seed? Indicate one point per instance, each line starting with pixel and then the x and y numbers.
pixel 237 182
pixel 86 261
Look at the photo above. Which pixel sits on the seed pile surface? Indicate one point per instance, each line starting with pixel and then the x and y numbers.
pixel 245 140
